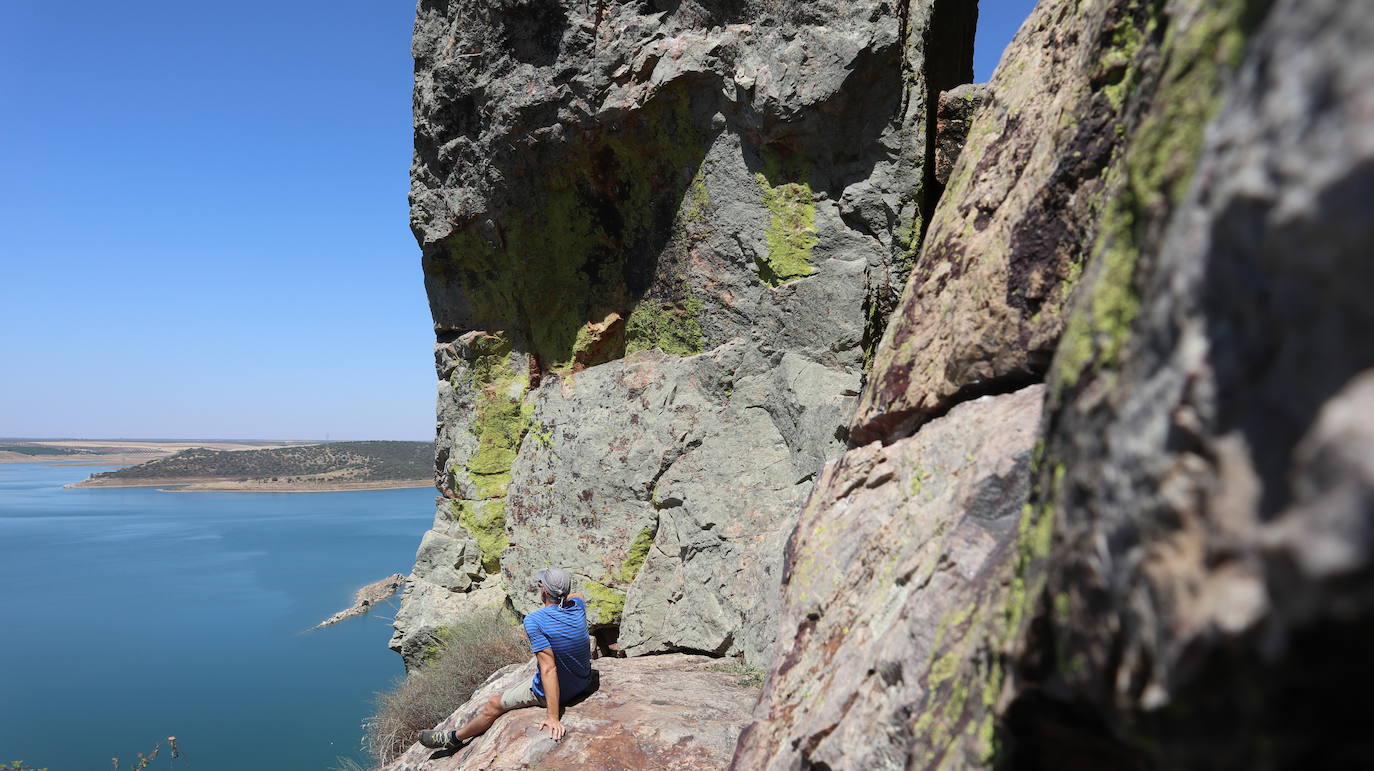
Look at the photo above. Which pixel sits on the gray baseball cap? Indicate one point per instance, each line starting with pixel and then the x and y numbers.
pixel 556 581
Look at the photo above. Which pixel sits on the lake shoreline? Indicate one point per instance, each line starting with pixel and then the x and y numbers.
pixel 189 485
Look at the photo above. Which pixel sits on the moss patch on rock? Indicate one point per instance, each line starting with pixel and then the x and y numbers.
pixel 485 521
pixel 584 241
pixel 670 327
pixel 637 555
pixel 500 415
pixel 604 604
pixel 1153 179
pixel 500 420
pixel 791 231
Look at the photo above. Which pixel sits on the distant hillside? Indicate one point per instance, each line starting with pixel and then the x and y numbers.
pixel 29 448
pixel 335 465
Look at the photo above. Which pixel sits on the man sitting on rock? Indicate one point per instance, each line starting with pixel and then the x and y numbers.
pixel 558 638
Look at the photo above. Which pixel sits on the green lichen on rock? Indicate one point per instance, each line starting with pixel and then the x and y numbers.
pixel 791 229
pixel 485 521
pixel 1155 174
pixel 957 702
pixel 547 271
pixel 541 432
pixel 637 555
pixel 698 200
pixel 500 415
pixel 1119 73
pixel 500 420
pixel 792 219
pixel 670 327
pixel 604 604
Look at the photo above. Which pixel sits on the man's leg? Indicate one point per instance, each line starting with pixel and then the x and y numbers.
pixel 483 719
pixel 517 697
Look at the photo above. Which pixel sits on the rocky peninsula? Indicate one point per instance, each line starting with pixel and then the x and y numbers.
pixel 365 598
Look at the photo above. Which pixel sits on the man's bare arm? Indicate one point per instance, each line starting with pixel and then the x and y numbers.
pixel 548 674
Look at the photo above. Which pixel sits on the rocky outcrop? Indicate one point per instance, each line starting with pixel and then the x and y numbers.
pixel 673 712
pixel 988 295
pixel 659 241
pixel 897 554
pixel 1159 210
pixel 1206 472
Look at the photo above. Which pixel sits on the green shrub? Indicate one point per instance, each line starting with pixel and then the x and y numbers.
pixel 462 659
pixel 753 676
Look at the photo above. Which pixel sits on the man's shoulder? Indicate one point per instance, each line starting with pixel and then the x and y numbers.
pixel 534 617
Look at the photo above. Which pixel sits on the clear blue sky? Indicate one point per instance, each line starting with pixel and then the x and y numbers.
pixel 203 219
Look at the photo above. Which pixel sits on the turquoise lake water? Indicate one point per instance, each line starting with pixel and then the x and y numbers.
pixel 130 615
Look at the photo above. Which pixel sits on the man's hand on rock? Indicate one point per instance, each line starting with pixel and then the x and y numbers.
pixel 555 726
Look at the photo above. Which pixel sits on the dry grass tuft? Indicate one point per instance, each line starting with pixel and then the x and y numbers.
pixel 464 657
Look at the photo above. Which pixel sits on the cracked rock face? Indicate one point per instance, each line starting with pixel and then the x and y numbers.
pixel 659 241
pixel 674 480
pixel 898 554
pixel 986 301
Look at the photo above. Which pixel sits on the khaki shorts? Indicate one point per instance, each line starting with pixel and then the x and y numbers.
pixel 520 696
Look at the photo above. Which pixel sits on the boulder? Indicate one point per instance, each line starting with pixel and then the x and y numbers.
pixel 1006 245
pixel 670 713
pixel 901 552
pixel 450 578
pixel 427 608
pixel 667 485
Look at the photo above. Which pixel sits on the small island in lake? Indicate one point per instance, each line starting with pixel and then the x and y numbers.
pixel 372 465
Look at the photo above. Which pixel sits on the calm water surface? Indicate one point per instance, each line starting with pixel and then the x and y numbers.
pixel 129 615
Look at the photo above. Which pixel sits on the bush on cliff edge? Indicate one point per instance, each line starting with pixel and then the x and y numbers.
pixel 464 656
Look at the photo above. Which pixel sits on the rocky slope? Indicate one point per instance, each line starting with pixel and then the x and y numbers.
pixel 659 240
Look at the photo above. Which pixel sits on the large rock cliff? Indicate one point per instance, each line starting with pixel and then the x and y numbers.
pixel 660 240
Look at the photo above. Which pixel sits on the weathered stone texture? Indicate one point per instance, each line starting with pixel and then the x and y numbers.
pixel 734 185
pixel 986 301
pixel 1210 586
pixel 1192 580
pixel 681 478
pixel 953 119
pixel 900 552
pixel 669 713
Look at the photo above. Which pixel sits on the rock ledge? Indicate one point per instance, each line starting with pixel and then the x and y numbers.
pixel 656 712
